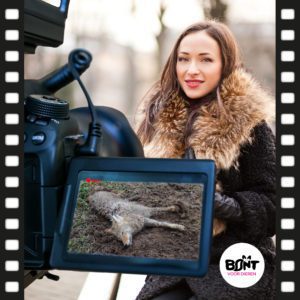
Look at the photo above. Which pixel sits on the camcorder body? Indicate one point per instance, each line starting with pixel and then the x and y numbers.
pixel 54 140
pixel 52 133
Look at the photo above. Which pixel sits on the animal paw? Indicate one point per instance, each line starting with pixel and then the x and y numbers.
pixel 180 227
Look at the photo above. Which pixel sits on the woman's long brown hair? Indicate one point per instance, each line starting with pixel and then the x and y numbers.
pixel 168 83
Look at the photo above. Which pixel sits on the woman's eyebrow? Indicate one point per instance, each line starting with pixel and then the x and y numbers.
pixel 187 53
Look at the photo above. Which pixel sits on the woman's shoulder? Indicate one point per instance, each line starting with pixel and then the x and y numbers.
pixel 262 133
pixel 261 149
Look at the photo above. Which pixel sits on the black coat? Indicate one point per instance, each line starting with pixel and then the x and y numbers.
pixel 253 186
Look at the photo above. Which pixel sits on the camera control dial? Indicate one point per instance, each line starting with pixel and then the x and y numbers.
pixel 47 106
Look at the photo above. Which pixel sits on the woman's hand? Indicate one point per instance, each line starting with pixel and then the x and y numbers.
pixel 227 208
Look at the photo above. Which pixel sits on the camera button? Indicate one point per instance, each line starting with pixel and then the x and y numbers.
pixel 38 138
pixel 41 122
pixel 31 118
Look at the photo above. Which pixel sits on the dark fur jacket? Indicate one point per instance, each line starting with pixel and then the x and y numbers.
pixel 243 148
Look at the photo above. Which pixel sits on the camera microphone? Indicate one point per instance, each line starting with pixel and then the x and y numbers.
pixel 92 143
pixel 56 80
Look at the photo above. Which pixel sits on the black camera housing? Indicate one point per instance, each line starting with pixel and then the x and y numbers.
pixel 52 132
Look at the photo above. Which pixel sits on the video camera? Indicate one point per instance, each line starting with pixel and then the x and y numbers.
pixel 69 152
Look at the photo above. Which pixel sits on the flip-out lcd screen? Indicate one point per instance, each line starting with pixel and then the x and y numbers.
pixel 137 216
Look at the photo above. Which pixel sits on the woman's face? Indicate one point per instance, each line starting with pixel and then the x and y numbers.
pixel 199 64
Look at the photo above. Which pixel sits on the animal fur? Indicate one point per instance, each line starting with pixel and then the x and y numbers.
pixel 218 138
pixel 129 218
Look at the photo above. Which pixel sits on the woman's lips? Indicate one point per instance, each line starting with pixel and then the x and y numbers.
pixel 193 83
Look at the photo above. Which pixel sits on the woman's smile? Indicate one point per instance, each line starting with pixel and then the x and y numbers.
pixel 194 83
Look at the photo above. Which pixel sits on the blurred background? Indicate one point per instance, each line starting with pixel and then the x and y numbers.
pixel 130 41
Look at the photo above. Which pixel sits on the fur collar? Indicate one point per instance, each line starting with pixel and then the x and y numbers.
pixel 219 138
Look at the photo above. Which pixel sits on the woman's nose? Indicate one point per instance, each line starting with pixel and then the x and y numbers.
pixel 193 68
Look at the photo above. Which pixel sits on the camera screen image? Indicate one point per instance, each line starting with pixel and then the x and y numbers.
pixel 137 215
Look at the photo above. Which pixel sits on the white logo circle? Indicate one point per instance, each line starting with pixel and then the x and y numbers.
pixel 242 265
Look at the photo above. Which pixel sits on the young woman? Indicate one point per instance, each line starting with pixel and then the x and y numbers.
pixel 206 106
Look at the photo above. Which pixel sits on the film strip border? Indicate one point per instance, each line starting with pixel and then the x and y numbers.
pixel 11 91
pixel 286 149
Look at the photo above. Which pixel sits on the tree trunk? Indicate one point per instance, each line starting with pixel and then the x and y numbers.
pixel 215 9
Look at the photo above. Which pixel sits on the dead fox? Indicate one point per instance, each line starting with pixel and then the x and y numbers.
pixel 129 218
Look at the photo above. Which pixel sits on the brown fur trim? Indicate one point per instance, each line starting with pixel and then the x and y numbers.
pixel 219 226
pixel 217 138
pixel 168 139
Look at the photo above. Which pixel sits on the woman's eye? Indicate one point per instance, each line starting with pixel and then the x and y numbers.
pixel 207 59
pixel 182 59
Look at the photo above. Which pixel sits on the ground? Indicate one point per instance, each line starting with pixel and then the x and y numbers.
pixel 88 230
